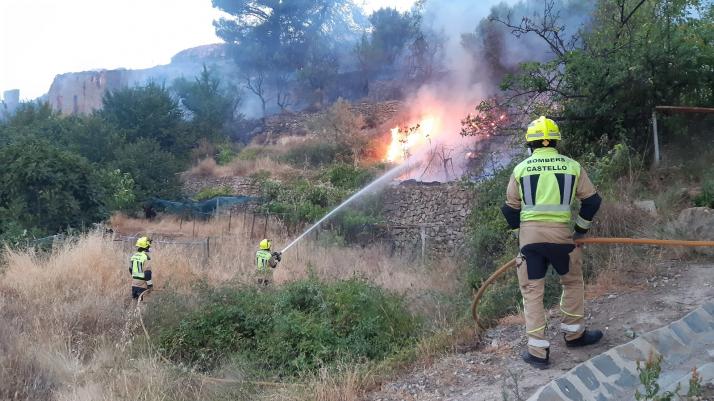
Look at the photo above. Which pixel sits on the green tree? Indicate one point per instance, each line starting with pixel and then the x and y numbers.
pixel 211 106
pixel 391 32
pixel 148 112
pixel 604 79
pixel 274 39
pixel 46 189
pixel 154 171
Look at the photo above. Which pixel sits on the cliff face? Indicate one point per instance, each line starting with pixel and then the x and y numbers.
pixel 82 92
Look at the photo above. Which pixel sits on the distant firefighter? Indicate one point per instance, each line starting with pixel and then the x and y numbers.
pixel 540 193
pixel 139 268
pixel 266 261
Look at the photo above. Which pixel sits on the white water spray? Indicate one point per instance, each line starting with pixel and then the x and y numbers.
pixel 389 175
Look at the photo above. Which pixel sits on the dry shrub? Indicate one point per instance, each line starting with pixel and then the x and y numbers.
pixel 204 168
pixel 621 220
pixel 345 385
pixel 247 168
pixel 512 320
pixel 244 168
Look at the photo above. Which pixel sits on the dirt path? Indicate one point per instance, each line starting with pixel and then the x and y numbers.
pixel 678 288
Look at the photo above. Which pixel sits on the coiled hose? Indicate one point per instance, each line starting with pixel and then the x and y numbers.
pixel 628 241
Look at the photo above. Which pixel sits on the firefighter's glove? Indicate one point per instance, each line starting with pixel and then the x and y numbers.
pixel 277 256
pixel 149 286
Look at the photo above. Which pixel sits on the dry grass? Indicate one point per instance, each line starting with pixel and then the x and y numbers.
pixel 244 168
pixel 70 331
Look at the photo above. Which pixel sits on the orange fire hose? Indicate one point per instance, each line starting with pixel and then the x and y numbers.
pixel 630 241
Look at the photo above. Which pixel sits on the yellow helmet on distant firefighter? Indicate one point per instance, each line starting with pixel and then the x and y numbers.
pixel 265 244
pixel 542 129
pixel 143 242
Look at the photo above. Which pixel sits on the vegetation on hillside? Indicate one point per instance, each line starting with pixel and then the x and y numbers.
pixel 68 172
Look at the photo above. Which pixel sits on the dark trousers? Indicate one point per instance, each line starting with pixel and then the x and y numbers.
pixel 137 291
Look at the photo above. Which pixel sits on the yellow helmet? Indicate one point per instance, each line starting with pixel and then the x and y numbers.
pixel 265 244
pixel 542 129
pixel 143 242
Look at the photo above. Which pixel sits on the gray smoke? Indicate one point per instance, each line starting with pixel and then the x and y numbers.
pixel 469 78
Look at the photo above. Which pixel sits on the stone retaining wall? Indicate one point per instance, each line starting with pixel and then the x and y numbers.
pixel 428 215
pixel 239 185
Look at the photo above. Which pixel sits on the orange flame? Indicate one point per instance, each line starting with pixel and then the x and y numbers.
pixel 407 140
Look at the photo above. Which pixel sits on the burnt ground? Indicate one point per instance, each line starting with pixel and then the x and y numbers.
pixel 493 365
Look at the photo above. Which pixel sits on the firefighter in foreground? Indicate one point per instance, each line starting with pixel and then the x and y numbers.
pixel 266 261
pixel 538 201
pixel 139 268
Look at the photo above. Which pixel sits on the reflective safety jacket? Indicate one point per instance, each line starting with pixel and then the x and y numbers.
pixel 138 266
pixel 264 260
pixel 547 182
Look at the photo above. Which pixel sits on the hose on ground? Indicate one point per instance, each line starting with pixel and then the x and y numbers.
pixel 623 241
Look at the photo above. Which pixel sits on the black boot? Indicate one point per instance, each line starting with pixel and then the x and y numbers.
pixel 588 338
pixel 539 363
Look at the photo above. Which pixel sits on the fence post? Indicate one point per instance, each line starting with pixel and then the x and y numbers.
pixel 193 231
pixel 422 233
pixel 230 219
pixel 208 247
pixel 252 225
pixel 181 222
pixel 655 138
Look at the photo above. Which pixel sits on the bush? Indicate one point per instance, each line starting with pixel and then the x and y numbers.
pixel 491 242
pixel 706 197
pixel 212 192
pixel 251 153
pixel 315 153
pixel 346 176
pixel 295 329
pixel 225 154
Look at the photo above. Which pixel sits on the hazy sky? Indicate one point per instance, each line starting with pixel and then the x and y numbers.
pixel 42 38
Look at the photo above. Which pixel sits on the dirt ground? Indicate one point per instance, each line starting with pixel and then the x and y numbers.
pixel 493 365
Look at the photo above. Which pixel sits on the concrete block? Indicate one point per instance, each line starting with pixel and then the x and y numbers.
pixel 587 377
pixel 568 389
pixel 548 394
pixel 606 365
pixel 627 380
pixel 696 323
pixel 682 331
pixel 709 307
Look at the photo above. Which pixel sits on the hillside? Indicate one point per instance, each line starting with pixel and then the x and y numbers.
pixel 321 197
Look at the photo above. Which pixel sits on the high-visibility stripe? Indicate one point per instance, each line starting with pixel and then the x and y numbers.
pixel 570 328
pixel 568 189
pixel 538 343
pixel 582 223
pixel 536 330
pixel 562 297
pixel 527 191
pixel 535 135
pixel 545 208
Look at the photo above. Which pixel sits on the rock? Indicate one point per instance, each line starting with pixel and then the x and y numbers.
pixel 647 206
pixel 696 223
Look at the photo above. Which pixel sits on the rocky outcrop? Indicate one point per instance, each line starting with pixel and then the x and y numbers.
pixel 696 223
pixel 294 124
pixel 82 92
pixel 432 215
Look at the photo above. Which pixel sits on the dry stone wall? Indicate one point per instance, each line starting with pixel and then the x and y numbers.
pixel 427 217
pixel 239 185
